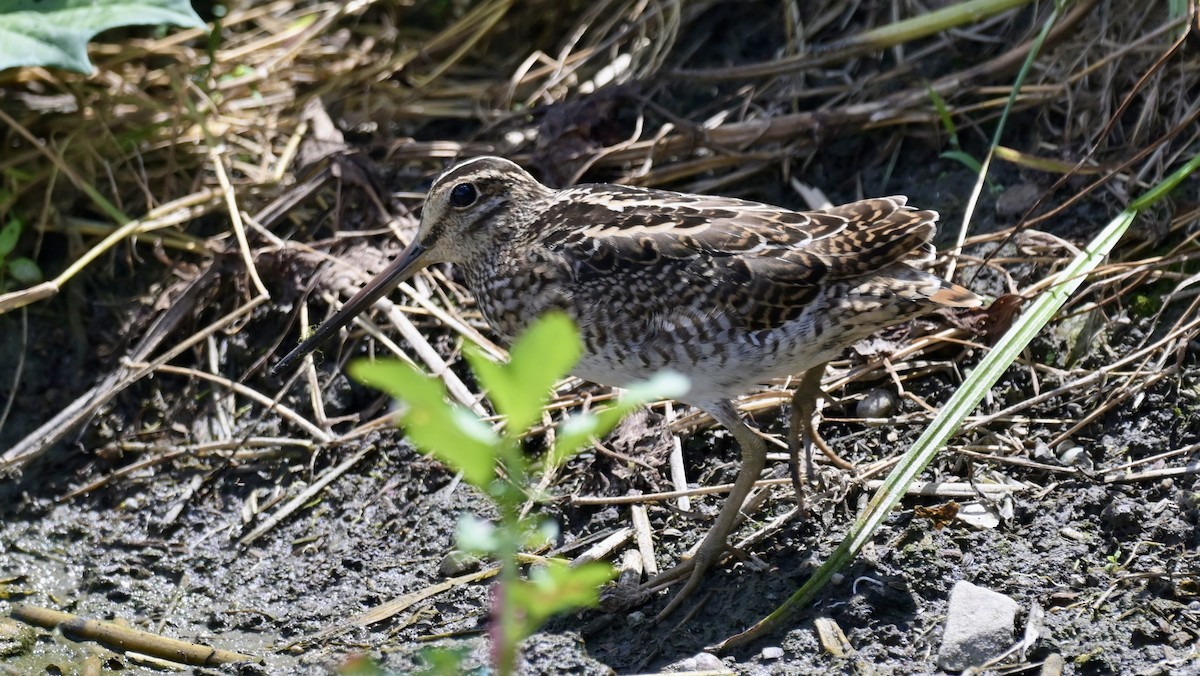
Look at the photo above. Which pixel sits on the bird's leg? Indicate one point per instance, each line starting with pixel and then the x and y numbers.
pixel 754 459
pixel 803 433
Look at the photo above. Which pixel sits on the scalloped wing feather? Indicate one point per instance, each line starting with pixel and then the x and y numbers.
pixel 762 265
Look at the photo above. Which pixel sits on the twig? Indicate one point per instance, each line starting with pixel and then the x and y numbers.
pixel 123 638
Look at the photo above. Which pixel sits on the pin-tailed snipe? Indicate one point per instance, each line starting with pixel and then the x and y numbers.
pixel 728 292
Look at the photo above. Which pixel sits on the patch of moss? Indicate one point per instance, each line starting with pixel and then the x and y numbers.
pixel 1145 306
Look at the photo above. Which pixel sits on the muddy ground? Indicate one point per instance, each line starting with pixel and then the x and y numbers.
pixel 1114 564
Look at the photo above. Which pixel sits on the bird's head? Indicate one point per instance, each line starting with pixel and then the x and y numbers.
pixel 472 210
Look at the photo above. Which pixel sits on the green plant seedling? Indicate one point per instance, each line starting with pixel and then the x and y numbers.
pixel 956 152
pixel 493 462
pixel 15 270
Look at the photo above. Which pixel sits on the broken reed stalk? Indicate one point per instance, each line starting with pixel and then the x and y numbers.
pixel 126 639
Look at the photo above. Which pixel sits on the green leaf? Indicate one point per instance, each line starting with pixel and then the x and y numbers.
pixel 56 32
pixel 9 234
pixel 545 533
pixel 360 665
pixel 964 159
pixel 442 661
pixel 557 587
pixel 943 114
pixel 448 432
pixel 24 270
pixel 577 431
pixel 541 356
pixel 475 535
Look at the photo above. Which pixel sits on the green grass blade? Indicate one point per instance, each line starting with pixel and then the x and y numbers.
pixel 964 159
pixel 1014 92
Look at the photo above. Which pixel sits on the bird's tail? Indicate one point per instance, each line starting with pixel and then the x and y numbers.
pixel 905 283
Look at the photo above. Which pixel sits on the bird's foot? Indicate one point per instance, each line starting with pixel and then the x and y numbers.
pixel 802 432
pixel 620 597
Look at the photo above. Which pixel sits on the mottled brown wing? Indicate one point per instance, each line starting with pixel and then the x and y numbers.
pixel 765 263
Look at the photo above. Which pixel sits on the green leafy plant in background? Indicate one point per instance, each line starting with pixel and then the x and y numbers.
pixel 15 270
pixel 956 152
pixel 493 462
pixel 56 32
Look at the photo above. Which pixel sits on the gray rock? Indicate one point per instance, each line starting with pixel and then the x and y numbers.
pixel 456 563
pixel 979 626
pixel 15 638
pixel 772 653
pixel 1054 665
pixel 697 662
pixel 879 403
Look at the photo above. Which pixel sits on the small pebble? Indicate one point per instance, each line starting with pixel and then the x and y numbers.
pixel 979 626
pixel 1054 665
pixel 15 638
pixel 878 403
pixel 1041 452
pixel 697 662
pixel 1074 534
pixel 772 653
pixel 457 562
pixel 1016 199
pixel 1075 456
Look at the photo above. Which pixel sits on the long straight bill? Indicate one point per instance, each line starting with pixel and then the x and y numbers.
pixel 407 263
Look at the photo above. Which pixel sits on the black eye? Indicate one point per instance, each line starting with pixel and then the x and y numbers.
pixel 463 195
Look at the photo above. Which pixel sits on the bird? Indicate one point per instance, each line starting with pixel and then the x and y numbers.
pixel 730 293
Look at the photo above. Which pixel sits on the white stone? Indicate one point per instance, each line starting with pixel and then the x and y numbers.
pixel 979 626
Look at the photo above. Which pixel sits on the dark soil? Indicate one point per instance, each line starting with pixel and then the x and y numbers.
pixel 1114 565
